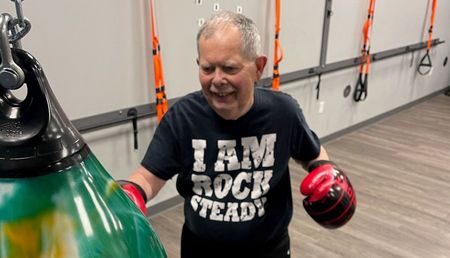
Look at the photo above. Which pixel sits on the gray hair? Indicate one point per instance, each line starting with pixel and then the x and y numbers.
pixel 251 40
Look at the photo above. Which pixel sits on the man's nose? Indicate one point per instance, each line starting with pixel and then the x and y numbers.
pixel 219 77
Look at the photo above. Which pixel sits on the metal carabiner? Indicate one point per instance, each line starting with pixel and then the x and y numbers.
pixel 11 75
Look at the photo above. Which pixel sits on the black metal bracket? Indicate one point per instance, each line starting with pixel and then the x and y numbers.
pixel 132 113
pixel 117 117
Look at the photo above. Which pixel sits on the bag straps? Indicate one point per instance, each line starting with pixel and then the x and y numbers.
pixel 278 52
pixel 161 98
pixel 425 66
pixel 360 93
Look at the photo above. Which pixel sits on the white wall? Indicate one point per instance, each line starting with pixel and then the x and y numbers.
pixel 97 58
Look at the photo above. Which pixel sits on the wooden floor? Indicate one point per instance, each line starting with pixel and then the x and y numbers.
pixel 400 168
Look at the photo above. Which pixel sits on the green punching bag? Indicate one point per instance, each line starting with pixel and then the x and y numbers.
pixel 56 199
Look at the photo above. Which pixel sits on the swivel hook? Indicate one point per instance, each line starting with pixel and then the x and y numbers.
pixel 11 75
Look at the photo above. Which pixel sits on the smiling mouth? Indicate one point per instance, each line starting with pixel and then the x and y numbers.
pixel 222 94
pixel 223 97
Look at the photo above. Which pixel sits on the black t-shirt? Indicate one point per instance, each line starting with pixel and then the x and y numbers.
pixel 233 174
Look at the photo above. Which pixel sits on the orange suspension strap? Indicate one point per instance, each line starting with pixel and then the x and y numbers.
pixel 360 93
pixel 278 52
pixel 161 99
pixel 425 65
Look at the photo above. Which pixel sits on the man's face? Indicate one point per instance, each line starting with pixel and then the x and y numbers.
pixel 226 76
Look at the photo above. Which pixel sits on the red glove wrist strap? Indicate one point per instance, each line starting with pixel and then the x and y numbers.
pixel 317 163
pixel 138 187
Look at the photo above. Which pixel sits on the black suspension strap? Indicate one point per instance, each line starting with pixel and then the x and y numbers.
pixel 425 66
pixel 360 93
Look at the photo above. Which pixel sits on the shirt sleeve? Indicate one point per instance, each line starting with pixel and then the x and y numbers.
pixel 305 144
pixel 161 156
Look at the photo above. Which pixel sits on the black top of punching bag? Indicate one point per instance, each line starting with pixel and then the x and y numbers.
pixel 36 138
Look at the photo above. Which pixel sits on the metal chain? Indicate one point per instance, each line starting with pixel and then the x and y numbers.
pixel 20 26
pixel 16 31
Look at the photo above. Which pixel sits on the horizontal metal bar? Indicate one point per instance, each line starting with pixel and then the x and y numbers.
pixel 121 116
pixel 116 117
pixel 314 71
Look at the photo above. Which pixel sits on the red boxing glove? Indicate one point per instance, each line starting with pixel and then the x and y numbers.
pixel 330 197
pixel 136 194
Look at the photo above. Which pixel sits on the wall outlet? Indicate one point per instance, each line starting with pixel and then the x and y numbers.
pixel 321 106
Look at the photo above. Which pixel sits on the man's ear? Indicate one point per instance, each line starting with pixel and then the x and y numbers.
pixel 260 64
pixel 198 62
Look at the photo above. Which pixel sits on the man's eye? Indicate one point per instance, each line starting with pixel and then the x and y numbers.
pixel 207 69
pixel 230 69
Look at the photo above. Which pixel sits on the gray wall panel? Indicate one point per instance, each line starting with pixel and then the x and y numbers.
pixel 97 57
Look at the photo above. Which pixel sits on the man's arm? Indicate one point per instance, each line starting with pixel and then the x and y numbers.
pixel 150 183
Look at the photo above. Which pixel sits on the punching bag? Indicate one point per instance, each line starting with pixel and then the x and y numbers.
pixel 56 199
